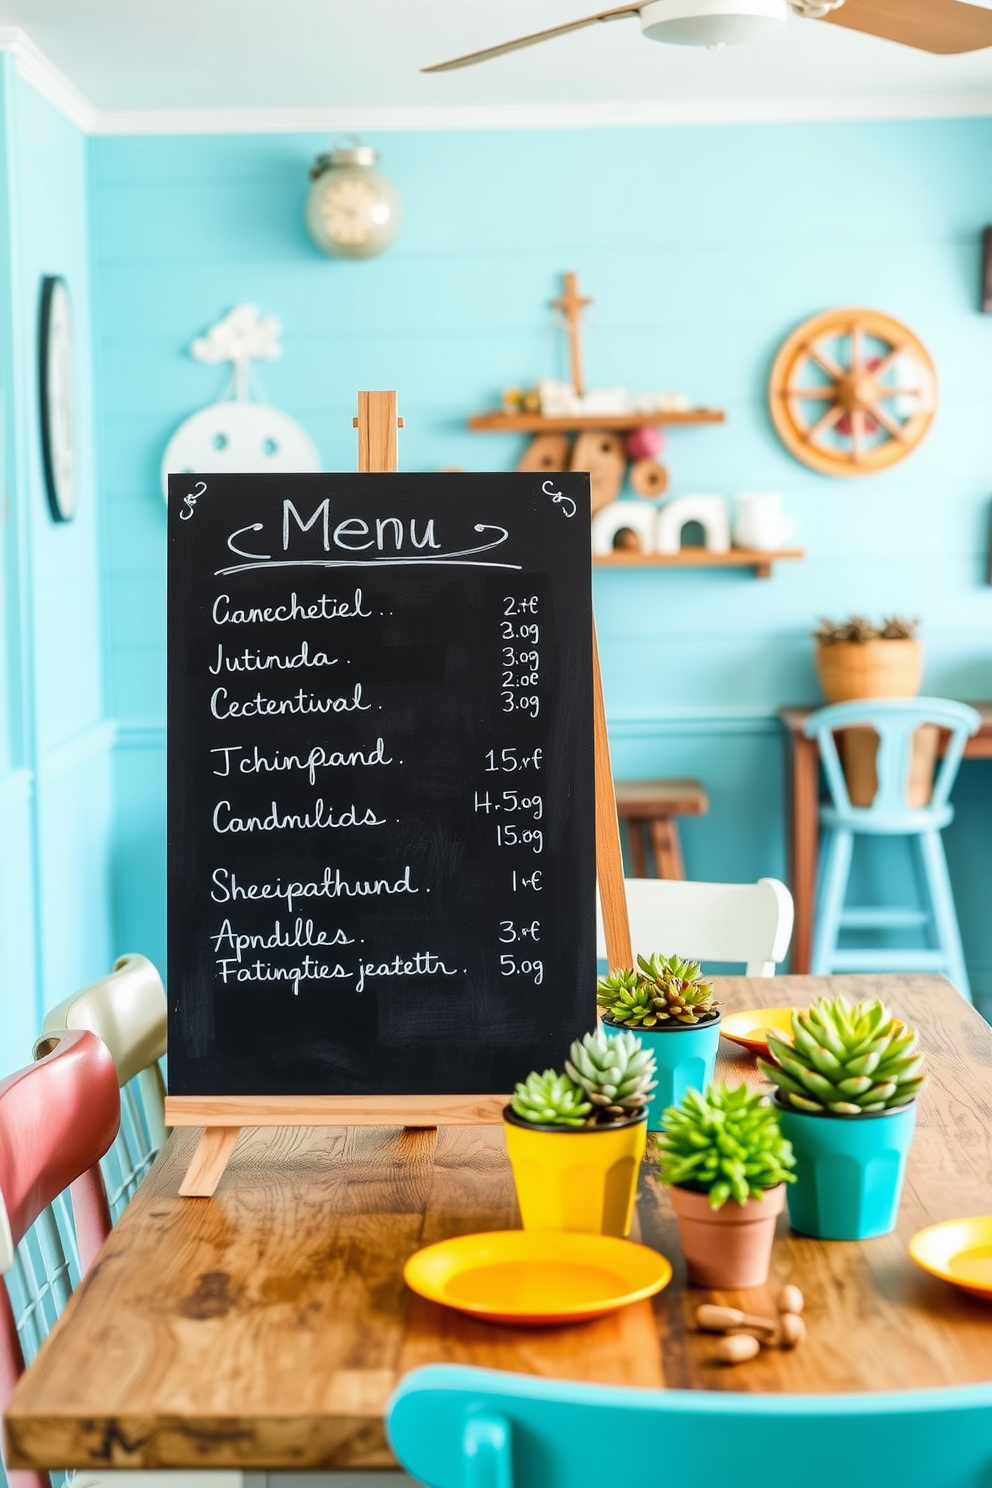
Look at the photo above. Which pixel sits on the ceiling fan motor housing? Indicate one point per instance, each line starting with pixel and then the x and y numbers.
pixel 712 23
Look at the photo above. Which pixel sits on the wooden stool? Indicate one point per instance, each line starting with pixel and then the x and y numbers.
pixel 649 807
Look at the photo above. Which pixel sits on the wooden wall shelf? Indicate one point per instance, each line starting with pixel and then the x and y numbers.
pixel 702 558
pixel 535 423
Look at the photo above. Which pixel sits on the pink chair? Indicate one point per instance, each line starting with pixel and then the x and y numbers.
pixel 57 1119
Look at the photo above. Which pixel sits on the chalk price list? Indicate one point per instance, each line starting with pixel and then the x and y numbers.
pixel 516 810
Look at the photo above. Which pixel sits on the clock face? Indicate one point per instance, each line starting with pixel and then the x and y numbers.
pixel 58 399
pixel 351 210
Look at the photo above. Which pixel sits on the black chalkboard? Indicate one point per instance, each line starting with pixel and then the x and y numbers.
pixel 380 772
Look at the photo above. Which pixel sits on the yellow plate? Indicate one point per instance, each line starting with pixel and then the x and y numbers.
pixel 536 1276
pixel 748 1028
pixel 959 1251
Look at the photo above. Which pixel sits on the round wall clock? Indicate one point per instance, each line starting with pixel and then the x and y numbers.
pixel 852 392
pixel 352 210
pixel 57 398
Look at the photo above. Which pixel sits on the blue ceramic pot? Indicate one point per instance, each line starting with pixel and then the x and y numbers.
pixel 849 1171
pixel 685 1056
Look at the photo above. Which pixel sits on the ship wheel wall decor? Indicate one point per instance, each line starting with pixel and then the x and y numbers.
pixel 852 392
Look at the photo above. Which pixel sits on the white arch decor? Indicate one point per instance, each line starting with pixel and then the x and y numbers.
pixel 241 432
pixel 711 512
pixel 637 515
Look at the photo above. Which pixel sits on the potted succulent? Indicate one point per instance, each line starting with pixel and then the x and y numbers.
pixel 857 659
pixel 576 1139
pixel 670 1005
pixel 847 1079
pixel 726 1164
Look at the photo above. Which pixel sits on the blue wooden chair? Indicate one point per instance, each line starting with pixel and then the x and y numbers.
pixel 457 1427
pixel 895 720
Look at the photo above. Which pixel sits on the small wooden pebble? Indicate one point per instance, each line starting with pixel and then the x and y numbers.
pixel 790 1299
pixel 736 1348
pixel 792 1330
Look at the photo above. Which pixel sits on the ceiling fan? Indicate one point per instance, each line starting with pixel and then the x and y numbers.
pixel 941 26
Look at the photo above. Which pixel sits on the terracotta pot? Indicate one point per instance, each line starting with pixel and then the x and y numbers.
pixel 869 669
pixel 731 1246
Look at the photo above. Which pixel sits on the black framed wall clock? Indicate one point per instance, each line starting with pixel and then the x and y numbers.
pixel 57 397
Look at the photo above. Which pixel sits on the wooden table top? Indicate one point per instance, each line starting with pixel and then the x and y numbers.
pixel 793 717
pixel 265 1328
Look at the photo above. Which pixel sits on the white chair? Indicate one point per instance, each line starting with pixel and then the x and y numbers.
pixel 128 1011
pixel 708 921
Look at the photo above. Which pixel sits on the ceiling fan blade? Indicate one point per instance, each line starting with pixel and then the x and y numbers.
pixel 942 26
pixel 470 59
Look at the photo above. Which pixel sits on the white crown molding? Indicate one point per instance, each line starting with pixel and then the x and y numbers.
pixel 42 74
pixel 47 79
pixel 619 115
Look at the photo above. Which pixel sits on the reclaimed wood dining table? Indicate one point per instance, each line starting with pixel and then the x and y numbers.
pixel 265 1328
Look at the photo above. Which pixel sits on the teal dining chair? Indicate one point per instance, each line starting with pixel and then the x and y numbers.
pixel 453 1426
pixel 895 721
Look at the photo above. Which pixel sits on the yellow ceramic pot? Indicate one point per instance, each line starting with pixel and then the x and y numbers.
pixel 576 1178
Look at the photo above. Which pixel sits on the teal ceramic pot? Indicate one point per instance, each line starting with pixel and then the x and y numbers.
pixel 849 1171
pixel 686 1060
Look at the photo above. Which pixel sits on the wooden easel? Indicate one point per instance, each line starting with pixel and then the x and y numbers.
pixel 223 1116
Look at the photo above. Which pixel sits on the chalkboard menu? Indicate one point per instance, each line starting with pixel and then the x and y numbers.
pixel 381 814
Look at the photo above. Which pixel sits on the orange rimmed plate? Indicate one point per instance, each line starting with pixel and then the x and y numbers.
pixel 535 1277
pixel 958 1251
pixel 748 1028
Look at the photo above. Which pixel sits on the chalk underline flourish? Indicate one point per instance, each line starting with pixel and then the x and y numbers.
pixel 442 559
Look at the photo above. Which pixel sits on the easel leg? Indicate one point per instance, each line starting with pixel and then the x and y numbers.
pixel 209 1161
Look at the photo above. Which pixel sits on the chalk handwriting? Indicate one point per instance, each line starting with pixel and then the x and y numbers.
pixel 319 758
pixel 388 536
pixel 312 970
pixel 257 661
pixel 320 818
pixel 321 609
pixel 565 502
pixel 422 963
pixel 189 502
pixel 300 702
pixel 331 885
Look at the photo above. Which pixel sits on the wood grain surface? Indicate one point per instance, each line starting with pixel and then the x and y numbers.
pixel 265 1328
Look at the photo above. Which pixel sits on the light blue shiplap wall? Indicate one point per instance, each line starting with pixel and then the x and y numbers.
pixel 55 741
pixel 702 247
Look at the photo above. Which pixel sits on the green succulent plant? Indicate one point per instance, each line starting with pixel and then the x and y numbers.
pixel 550 1099
pixel 847 1058
pixel 663 990
pixel 859 631
pixel 616 1073
pixel 726 1143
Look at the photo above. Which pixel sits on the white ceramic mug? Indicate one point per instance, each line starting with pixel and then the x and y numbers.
pixel 760 522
